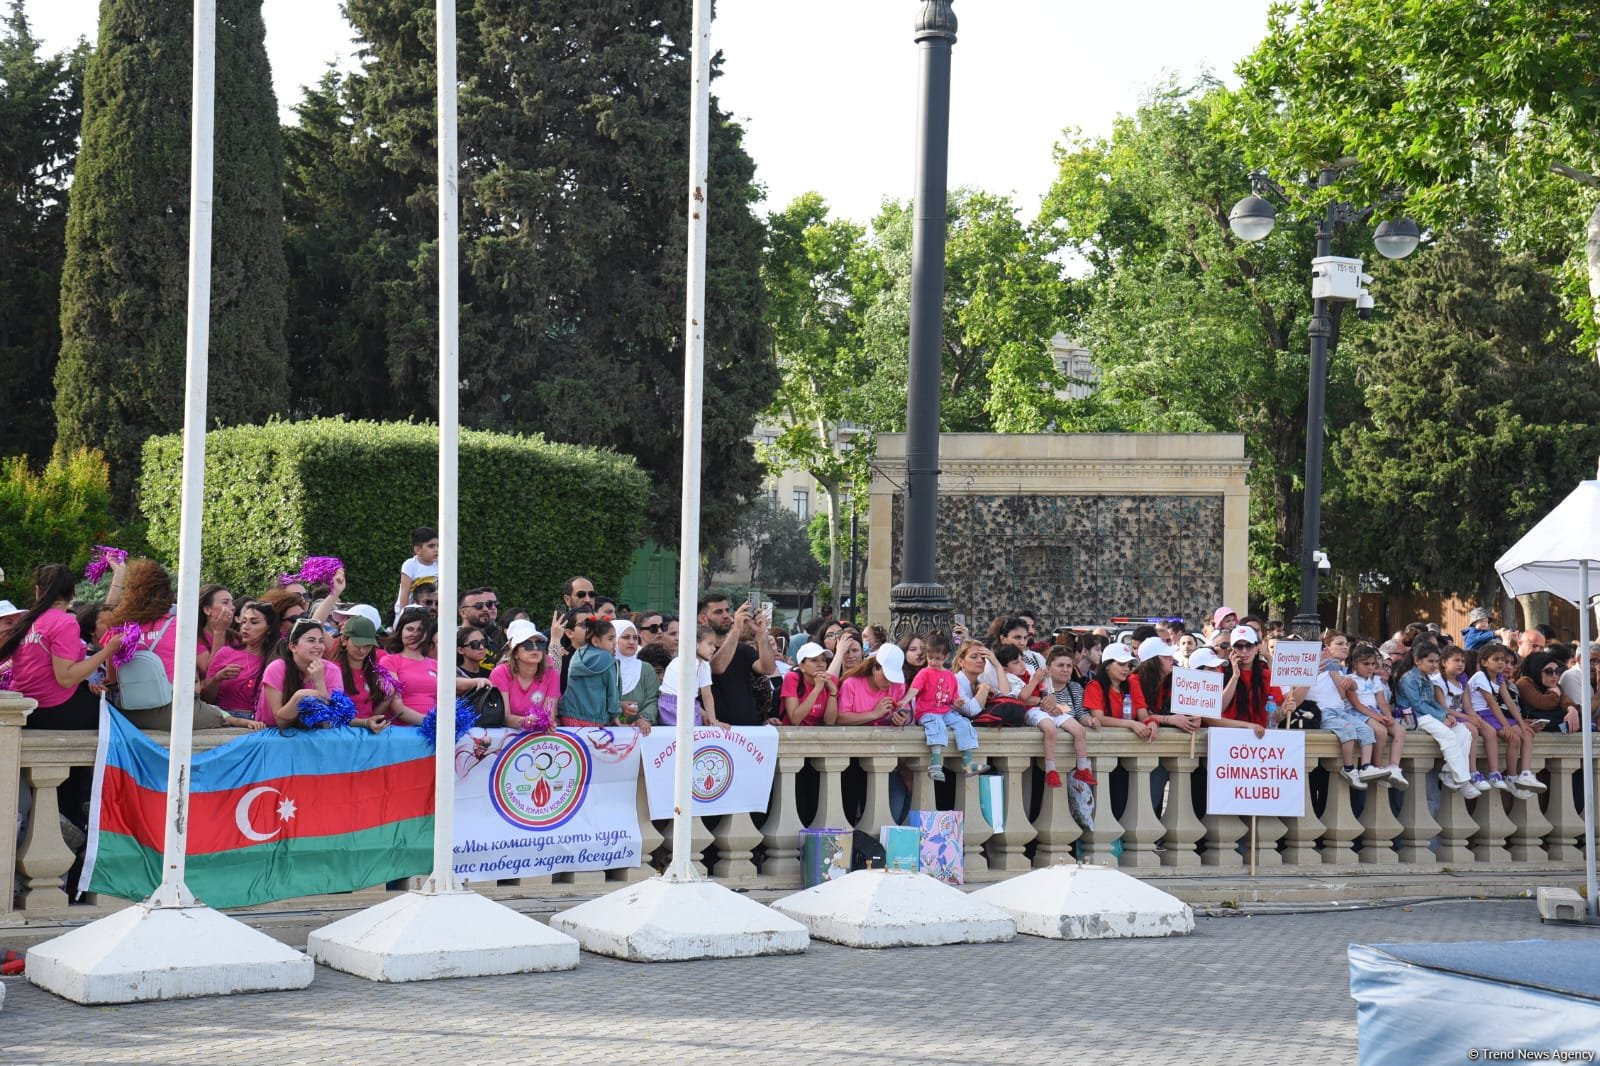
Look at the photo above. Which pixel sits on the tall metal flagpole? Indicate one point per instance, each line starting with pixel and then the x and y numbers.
pixel 443 878
pixel 1585 606
pixel 172 892
pixel 694 350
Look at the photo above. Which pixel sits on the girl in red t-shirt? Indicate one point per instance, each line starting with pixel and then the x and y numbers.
pixel 809 694
pixel 1114 696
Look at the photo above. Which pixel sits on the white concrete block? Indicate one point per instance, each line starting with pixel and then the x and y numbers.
pixel 1070 902
pixel 145 953
pixel 890 909
pixel 422 937
pixel 1558 904
pixel 673 921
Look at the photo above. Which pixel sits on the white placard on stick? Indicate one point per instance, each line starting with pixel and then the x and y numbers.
pixel 1295 663
pixel 1248 776
pixel 1197 693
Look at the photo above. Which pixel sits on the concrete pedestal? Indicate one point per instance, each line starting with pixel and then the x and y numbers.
pixel 673 921
pixel 145 953
pixel 890 909
pixel 1088 903
pixel 423 937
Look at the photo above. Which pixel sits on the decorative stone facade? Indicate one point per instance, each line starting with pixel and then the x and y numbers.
pixel 1080 527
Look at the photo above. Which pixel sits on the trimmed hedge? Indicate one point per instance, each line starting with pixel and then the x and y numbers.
pixel 532 513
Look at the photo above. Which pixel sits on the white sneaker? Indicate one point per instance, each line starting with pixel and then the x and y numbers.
pixel 1528 781
pixel 1469 790
pixel 1397 779
pixel 1354 777
pixel 1373 773
pixel 1519 792
pixel 1498 781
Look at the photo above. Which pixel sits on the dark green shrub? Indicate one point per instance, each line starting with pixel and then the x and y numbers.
pixel 532 513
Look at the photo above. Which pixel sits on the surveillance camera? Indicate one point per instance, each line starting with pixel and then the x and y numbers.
pixel 1321 559
pixel 1364 305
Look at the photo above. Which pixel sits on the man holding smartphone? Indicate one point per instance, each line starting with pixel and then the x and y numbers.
pixel 742 660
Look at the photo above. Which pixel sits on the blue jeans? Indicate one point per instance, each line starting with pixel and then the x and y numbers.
pixel 937 733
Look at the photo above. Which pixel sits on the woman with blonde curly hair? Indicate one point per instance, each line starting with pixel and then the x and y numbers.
pixel 141 592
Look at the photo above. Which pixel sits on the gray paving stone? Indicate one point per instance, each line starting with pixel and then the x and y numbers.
pixel 1263 988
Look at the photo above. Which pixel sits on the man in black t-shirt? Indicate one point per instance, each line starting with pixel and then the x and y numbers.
pixel 744 657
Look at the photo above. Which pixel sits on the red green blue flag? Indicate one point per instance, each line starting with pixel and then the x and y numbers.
pixel 272 815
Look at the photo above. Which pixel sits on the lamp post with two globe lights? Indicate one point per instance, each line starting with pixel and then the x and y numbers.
pixel 1333 279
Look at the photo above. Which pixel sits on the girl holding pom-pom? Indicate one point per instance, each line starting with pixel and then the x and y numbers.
pixel 298 672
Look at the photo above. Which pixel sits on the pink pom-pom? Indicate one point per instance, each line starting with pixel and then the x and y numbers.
pixel 101 558
pixel 132 635
pixel 316 570
pixel 388 680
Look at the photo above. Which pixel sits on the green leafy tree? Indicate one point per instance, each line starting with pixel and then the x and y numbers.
pixel 124 286
pixel 1478 417
pixel 1466 106
pixel 1191 329
pixel 41 105
pixel 812 270
pixel 778 546
pixel 574 170
pixel 54 515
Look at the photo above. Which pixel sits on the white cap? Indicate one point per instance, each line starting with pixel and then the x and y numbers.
pixel 1203 658
pixel 1149 649
pixel 893 661
pixel 519 631
pixel 809 650
pixel 1243 635
pixel 1117 653
pixel 7 609
pixel 360 610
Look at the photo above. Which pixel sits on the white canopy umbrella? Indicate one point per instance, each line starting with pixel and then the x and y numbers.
pixel 1561 556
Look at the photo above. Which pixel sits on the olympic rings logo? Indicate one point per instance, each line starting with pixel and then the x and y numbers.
pixel 540 779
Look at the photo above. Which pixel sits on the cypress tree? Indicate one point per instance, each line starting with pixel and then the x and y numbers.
pixel 574 172
pixel 41 102
pixel 124 287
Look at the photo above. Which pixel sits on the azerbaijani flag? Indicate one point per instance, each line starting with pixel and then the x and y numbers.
pixel 272 815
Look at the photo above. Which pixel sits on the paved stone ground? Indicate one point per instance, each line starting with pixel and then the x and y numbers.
pixel 1268 988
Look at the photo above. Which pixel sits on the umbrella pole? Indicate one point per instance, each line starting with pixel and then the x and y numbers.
pixel 1588 736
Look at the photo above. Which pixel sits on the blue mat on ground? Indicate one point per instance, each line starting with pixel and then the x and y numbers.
pixel 1425 1003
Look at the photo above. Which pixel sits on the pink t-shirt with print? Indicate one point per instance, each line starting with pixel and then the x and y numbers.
pixel 545 691
pixel 419 678
pixel 53 635
pixel 857 696
pixel 937 691
pixel 242 692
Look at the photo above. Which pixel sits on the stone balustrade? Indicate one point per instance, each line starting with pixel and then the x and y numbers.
pixel 1150 798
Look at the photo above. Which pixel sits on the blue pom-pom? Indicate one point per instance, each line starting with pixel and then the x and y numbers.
pixel 336 710
pixel 466 718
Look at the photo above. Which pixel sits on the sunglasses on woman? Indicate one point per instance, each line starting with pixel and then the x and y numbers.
pixel 532 644
pixel 475 645
pixel 653 628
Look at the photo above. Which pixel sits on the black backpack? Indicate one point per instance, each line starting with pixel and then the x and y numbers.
pixel 866 853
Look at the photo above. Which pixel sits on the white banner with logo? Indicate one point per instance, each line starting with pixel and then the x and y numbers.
pixel 1246 775
pixel 732 768
pixel 529 804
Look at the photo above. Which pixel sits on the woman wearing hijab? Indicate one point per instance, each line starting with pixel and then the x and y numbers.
pixel 641 689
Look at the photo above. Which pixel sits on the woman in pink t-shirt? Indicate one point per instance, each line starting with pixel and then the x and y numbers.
pixel 215 626
pixel 372 688
pixel 809 694
pixel 529 681
pixel 48 660
pixel 407 660
pixel 233 676
pixel 298 671
pixel 870 693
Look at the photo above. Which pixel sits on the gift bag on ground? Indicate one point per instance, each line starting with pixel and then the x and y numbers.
pixel 943 849
pixel 824 854
pixel 992 801
pixel 1080 800
pixel 902 847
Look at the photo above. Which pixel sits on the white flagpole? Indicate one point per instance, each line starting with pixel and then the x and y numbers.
pixel 443 878
pixel 172 892
pixel 694 345
pixel 1584 607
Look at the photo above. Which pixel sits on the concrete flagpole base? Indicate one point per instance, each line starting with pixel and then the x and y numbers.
pixel 425 937
pixel 1070 902
pixel 674 921
pixel 161 953
pixel 891 909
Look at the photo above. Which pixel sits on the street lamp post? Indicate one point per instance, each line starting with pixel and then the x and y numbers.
pixel 1332 279
pixel 919 602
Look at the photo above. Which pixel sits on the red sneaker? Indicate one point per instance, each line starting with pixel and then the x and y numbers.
pixel 1085 775
pixel 1052 779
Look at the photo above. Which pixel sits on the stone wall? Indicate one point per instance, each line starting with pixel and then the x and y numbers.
pixel 1080 527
